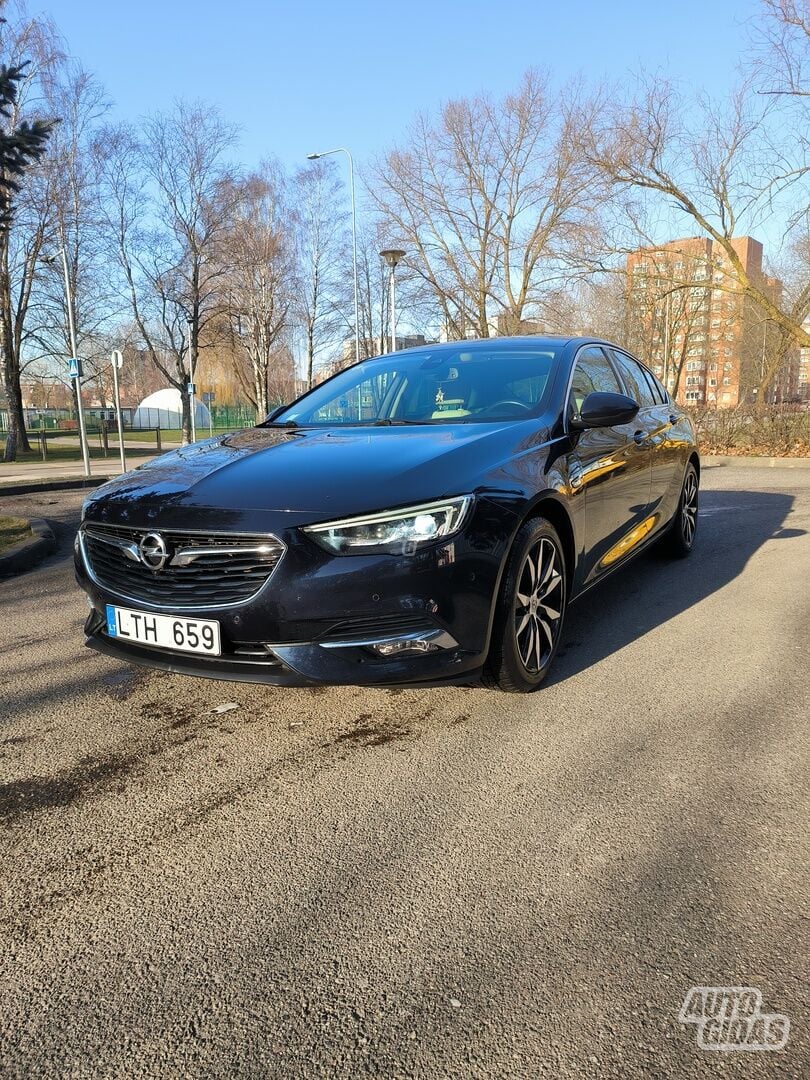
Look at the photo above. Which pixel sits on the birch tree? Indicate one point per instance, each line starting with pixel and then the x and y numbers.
pixel 257 252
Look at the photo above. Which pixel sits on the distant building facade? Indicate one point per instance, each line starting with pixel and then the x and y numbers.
pixel 709 343
pixel 803 372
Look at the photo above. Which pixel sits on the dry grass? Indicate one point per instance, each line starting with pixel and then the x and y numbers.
pixel 12 530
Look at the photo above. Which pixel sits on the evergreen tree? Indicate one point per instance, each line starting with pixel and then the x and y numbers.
pixel 21 145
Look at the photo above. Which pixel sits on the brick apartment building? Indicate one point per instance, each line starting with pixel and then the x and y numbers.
pixel 705 340
pixel 803 376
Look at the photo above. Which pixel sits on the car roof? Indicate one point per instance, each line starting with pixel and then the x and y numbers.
pixel 482 343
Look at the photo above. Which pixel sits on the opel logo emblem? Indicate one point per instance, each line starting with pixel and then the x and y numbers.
pixel 153 551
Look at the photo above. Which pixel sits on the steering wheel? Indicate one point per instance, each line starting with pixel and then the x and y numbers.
pixel 517 404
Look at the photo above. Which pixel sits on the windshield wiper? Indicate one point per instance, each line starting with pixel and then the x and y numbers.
pixel 395 423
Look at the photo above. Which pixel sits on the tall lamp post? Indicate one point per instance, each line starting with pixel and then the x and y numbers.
pixel 393 256
pixel 191 387
pixel 50 259
pixel 326 153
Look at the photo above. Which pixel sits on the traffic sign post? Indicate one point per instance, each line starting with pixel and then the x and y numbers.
pixel 75 374
pixel 117 360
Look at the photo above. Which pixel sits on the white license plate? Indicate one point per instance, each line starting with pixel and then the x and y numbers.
pixel 164 631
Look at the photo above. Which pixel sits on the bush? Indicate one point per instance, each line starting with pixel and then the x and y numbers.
pixel 769 431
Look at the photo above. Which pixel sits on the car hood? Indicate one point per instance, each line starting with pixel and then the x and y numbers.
pixel 309 474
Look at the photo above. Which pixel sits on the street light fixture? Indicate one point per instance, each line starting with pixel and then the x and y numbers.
pixel 393 256
pixel 327 153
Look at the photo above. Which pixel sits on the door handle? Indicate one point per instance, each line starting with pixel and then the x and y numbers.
pixel 639 438
pixel 673 419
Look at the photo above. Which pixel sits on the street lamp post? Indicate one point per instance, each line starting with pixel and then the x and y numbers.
pixel 326 153
pixel 74 357
pixel 393 256
pixel 116 362
pixel 191 387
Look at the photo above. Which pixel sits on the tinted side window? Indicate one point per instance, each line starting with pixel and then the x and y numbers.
pixel 659 388
pixel 592 373
pixel 637 385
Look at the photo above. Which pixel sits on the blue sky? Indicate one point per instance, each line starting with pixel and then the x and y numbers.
pixel 312 75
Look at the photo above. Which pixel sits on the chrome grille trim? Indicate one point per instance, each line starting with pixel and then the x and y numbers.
pixel 213 571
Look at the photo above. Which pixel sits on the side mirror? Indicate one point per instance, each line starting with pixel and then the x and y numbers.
pixel 604 410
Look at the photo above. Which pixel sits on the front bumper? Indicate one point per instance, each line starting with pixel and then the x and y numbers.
pixel 317 618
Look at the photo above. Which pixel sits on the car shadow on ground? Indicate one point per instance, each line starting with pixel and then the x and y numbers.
pixel 651 590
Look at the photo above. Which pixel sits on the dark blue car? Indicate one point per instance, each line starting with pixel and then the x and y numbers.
pixel 419 518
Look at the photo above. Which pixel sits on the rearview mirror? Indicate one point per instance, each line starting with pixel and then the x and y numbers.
pixel 604 410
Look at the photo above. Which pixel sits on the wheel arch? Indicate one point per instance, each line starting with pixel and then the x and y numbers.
pixel 551 508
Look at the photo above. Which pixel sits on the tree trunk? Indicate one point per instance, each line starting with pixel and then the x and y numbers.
pixel 310 355
pixel 16 438
pixel 186 417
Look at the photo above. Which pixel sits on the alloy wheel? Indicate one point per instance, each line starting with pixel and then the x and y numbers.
pixel 689 508
pixel 539 604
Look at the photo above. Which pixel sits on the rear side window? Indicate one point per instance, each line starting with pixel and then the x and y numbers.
pixel 637 385
pixel 592 373
pixel 658 388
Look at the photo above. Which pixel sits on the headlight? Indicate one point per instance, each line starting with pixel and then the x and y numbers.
pixel 393 531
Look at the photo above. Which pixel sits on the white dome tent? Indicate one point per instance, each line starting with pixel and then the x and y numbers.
pixel 164 409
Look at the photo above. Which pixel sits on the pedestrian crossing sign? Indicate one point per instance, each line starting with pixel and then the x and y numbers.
pixel 74 368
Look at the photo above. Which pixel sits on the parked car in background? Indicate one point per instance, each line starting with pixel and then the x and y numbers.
pixel 419 518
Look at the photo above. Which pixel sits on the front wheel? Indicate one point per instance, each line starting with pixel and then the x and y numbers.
pixel 679 538
pixel 530 611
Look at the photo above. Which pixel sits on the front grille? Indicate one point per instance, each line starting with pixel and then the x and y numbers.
pixel 233 570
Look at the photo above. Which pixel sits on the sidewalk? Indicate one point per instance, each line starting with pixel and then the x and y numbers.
pixel 29 472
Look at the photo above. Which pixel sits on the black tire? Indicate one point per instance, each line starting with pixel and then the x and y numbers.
pixel 679 538
pixel 530 610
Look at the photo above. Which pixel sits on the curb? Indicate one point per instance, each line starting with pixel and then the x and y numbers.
pixel 27 553
pixel 67 483
pixel 719 461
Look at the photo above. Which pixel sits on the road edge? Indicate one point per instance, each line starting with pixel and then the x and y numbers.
pixel 27 553
pixel 67 483
pixel 719 460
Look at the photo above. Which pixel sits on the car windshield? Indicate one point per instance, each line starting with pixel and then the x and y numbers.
pixel 441 386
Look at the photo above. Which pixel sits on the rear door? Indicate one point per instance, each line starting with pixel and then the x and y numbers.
pixel 654 420
pixel 608 466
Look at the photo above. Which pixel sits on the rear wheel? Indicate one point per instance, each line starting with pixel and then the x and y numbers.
pixel 531 609
pixel 679 538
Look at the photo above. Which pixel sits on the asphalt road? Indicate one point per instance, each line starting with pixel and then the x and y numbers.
pixel 443 883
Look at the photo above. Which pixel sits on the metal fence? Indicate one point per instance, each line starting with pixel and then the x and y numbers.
pixel 222 418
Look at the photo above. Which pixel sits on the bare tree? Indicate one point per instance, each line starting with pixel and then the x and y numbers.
pixel 258 263
pixel 785 31
pixel 169 201
pixel 725 171
pixel 70 189
pixel 321 258
pixel 494 201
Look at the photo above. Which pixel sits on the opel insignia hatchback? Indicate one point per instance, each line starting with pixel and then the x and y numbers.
pixel 419 518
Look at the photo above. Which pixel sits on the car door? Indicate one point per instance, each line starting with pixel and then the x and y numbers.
pixel 655 421
pixel 610 465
